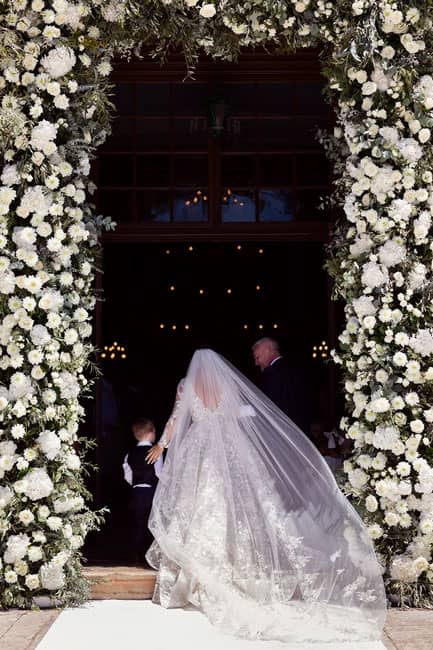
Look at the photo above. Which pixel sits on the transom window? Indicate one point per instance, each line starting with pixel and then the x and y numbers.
pixel 211 152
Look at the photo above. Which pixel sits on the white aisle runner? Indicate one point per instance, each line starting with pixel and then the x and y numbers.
pixel 139 624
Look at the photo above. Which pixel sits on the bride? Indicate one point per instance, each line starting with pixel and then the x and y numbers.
pixel 249 524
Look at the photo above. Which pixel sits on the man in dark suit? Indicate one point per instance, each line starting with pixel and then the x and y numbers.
pixel 286 385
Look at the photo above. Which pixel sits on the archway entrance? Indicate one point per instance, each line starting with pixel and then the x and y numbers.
pixel 215 184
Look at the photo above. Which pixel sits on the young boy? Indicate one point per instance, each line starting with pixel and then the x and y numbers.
pixel 143 477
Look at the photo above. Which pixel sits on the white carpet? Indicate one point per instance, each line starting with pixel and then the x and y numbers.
pixel 139 624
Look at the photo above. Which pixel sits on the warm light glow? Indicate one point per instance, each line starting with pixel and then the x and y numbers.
pixel 314 355
pixel 261 251
pixel 245 327
pixel 172 288
pixel 123 356
pixel 258 287
pixel 103 355
pixel 112 355
pixel 229 290
pixel 115 343
pixel 205 198
pixel 275 326
pixel 260 326
pixel 105 347
pixel 190 248
pixel 314 347
pixel 201 292
pixel 239 247
pixel 162 326
pixel 229 192
pixel 167 252
pixel 173 327
pixel 187 327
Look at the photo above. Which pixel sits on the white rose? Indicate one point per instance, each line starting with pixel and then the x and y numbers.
pixel 371 503
pixel 207 11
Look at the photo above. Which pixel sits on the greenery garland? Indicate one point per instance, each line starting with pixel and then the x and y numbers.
pixel 55 61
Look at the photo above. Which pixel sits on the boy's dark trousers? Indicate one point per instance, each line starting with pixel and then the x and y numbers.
pixel 140 507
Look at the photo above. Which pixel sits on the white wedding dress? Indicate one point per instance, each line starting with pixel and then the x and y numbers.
pixel 249 524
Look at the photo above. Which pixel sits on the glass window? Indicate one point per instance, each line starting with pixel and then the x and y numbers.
pixel 308 205
pixel 190 205
pixel 310 99
pixel 238 170
pixel 121 138
pixel 238 205
pixel 190 171
pixel 312 169
pixel 276 205
pixel 123 98
pixel 116 171
pixel 190 98
pixel 116 204
pixel 152 134
pixel 153 99
pixel 275 170
pixel 153 170
pixel 153 206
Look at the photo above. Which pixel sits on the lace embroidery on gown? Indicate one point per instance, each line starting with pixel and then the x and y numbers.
pixel 260 561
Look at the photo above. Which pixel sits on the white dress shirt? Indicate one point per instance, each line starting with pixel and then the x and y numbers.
pixel 276 359
pixel 127 471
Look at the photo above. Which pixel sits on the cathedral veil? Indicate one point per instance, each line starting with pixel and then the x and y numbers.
pixel 249 523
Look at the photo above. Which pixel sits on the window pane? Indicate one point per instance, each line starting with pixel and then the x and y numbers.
pixel 238 205
pixel 123 98
pixel 121 137
pixel 276 205
pixel 153 170
pixel 153 205
pixel 305 133
pixel 240 97
pixel 312 170
pixel 153 134
pixel 275 170
pixel 190 134
pixel 274 99
pixel 307 205
pixel 190 171
pixel 238 170
pixel 116 204
pixel 153 99
pixel 116 171
pixel 240 135
pixel 190 98
pixel 191 205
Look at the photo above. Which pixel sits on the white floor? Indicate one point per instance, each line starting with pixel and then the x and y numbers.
pixel 139 624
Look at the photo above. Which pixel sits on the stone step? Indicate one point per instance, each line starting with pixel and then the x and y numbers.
pixel 120 582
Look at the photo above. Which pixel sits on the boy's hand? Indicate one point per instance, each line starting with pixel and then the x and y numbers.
pixel 154 454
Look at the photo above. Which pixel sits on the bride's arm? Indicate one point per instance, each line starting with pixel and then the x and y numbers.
pixel 164 441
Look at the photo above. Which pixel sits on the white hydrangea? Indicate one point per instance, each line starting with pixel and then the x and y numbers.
pixel 37 484
pixel 422 342
pixel 385 436
pixel 49 443
pixel 392 253
pixel 373 276
pixel 52 576
pixel 16 548
pixel 43 135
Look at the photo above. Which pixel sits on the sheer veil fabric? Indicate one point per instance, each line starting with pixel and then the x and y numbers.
pixel 249 524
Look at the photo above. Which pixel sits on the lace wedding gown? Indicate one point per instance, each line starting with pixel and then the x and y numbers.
pixel 249 524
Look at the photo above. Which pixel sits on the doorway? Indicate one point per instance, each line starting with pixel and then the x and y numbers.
pixel 161 302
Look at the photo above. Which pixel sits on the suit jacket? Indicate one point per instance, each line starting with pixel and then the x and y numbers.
pixel 288 387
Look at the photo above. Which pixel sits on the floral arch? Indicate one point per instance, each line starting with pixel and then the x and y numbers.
pixel 54 111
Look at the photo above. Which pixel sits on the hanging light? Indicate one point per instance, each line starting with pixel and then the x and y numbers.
pixel 217 116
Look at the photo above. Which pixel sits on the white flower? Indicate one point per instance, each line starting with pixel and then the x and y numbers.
pixel 32 581
pixel 26 517
pixel 385 437
pixel 207 10
pixel 380 405
pixel 403 469
pixel 40 335
pixel 19 386
pixel 392 253
pixel 72 461
pixel 42 134
pixel 34 553
pixel 10 577
pixel 52 576
pixel 417 426
pixel 364 306
pixel 37 484
pixel 59 62
pixel 382 376
pixel 49 443
pixel 412 399
pixel 6 496
pixel 373 276
pixel 18 431
pixel 422 343
pixel 16 548
pixel 399 359
pixel 375 531
pixel 54 523
pixel 368 88
pixel 371 503
pixel 391 519
pixel 410 150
